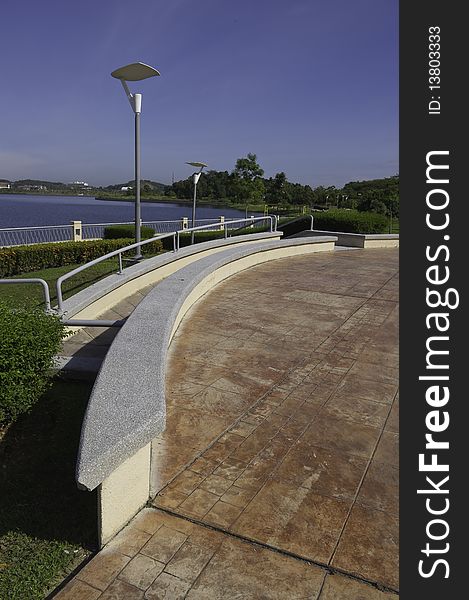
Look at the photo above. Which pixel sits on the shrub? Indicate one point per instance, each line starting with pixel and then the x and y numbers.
pixel 185 238
pixel 28 341
pixel 116 232
pixel 24 259
pixel 208 236
pixel 349 221
pixel 255 228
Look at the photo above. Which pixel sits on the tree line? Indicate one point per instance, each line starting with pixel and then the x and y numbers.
pixel 245 184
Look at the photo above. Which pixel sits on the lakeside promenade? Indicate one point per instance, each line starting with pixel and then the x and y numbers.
pixel 277 471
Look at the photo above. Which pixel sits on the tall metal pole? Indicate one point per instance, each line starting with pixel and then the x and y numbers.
pixel 195 178
pixel 193 207
pixel 138 253
pixel 137 109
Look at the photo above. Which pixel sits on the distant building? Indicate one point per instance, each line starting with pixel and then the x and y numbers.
pixel 5 184
pixel 31 188
pixel 126 189
pixel 81 183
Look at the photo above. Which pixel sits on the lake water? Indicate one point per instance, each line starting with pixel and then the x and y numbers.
pixel 31 210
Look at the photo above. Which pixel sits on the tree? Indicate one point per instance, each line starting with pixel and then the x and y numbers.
pixel 248 168
pixel 300 194
pixel 278 190
pixel 320 196
pixel 245 183
pixel 392 206
pixel 247 179
pixel 331 196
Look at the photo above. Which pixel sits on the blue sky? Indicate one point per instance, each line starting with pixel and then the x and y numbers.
pixel 310 86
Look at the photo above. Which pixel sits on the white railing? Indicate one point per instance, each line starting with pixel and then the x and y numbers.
pixel 45 288
pixel 227 225
pixel 96 230
pixel 78 231
pixel 18 236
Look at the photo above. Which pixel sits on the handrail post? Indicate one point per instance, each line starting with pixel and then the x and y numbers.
pixel 120 271
pixel 45 288
pixel 47 297
pixel 312 221
pixel 174 243
pixel 58 290
pixel 177 240
pixel 226 230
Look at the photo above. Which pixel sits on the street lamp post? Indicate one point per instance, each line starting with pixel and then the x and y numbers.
pixel 135 72
pixel 196 177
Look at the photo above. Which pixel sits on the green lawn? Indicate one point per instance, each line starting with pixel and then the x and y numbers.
pixel 32 295
pixel 47 526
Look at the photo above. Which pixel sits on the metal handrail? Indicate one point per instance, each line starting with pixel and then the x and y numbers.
pixel 143 222
pixel 96 261
pixel 175 235
pixel 248 223
pixel 78 231
pixel 67 225
pixel 34 280
pixel 34 227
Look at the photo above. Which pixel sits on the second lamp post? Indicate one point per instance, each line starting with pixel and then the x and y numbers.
pixel 196 177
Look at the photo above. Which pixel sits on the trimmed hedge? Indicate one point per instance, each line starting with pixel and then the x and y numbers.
pixel 208 236
pixel 185 238
pixel 347 221
pixel 117 232
pixel 28 341
pixel 17 260
pixel 350 221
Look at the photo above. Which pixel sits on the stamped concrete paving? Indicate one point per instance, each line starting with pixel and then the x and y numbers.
pixel 277 475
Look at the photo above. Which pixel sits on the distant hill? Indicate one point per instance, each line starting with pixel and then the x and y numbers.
pixel 42 185
pixel 39 182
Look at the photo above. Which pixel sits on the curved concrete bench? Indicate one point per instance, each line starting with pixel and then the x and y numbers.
pixel 126 410
pixel 103 295
pixel 356 240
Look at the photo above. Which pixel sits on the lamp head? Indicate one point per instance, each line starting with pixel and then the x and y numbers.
pixel 135 72
pixel 197 164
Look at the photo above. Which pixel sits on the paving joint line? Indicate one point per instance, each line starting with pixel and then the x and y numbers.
pixel 377 442
pixel 233 424
pixel 328 567
pixel 354 501
pixel 325 567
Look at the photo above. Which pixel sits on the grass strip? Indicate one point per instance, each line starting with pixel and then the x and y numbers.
pixel 47 525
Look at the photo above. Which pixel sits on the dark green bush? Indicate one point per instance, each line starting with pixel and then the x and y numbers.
pixel 185 238
pixel 24 259
pixel 28 341
pixel 117 232
pixel 249 230
pixel 350 221
pixel 208 236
